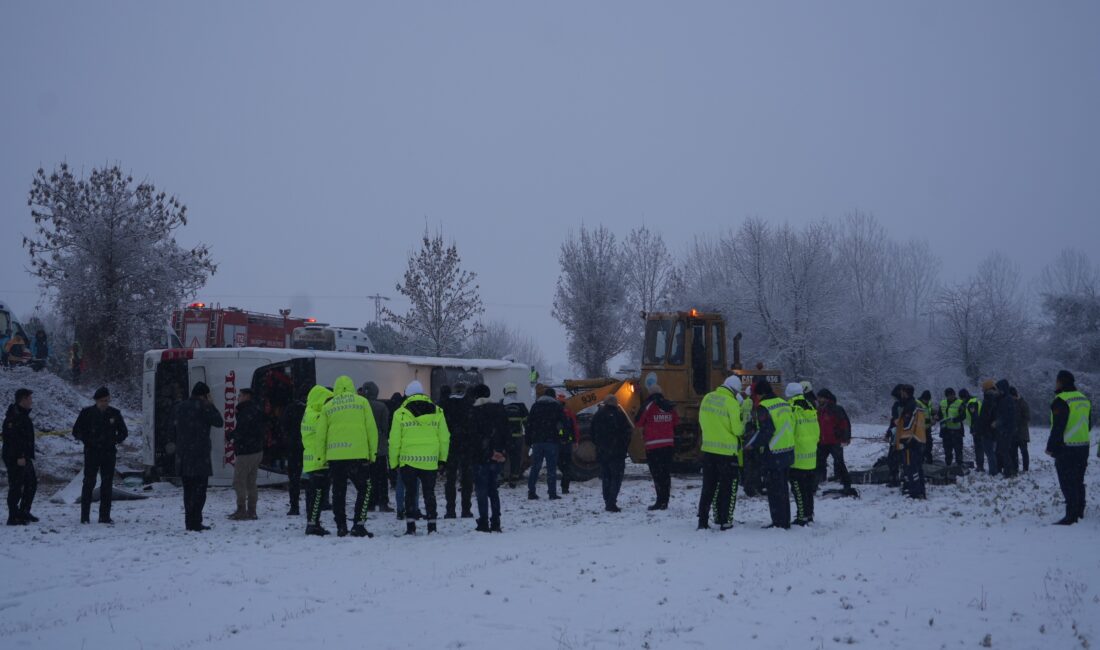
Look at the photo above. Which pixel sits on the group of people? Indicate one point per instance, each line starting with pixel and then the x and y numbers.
pixel 751 438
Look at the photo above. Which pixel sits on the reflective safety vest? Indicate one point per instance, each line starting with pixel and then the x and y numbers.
pixel 927 408
pixel 1077 426
pixel 950 414
pixel 314 445
pixel 807 433
pixel 973 407
pixel 783 420
pixel 720 420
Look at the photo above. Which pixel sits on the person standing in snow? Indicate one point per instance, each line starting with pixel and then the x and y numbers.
pixel 545 425
pixel 192 420
pixel 775 436
pixel 351 434
pixel 460 470
pixel 986 426
pixel 1006 430
pixel 101 428
pixel 1023 430
pixel 315 460
pixel 893 456
pixel 291 425
pixel 1068 444
pixel 248 450
pixel 911 436
pixel 380 484
pixel 925 404
pixel 611 432
pixel 419 444
pixel 657 418
pixel 973 408
pixel 722 428
pixel 570 438
pixel 41 350
pixel 18 454
pixel 517 420
pixel 807 435
pixel 489 434
pixel 952 412
pixel 836 433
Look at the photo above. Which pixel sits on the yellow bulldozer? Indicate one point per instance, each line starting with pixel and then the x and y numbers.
pixel 685 354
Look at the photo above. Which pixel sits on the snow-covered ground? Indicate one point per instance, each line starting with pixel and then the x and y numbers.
pixel 976 559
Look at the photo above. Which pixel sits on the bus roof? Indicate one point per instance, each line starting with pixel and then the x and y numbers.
pixel 286 354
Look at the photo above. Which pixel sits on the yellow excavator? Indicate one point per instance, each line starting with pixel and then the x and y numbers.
pixel 685 354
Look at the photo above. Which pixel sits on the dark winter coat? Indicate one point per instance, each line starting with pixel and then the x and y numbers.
pixel 382 419
pixel 456 410
pixel 193 420
pixel 611 432
pixel 100 429
pixel 547 422
pixel 987 417
pixel 41 346
pixel 1023 420
pixel 292 426
pixel 18 435
pixel 517 417
pixel 1006 412
pixel 488 429
pixel 251 431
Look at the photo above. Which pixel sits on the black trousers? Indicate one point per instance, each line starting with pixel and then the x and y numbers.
pixel 979 451
pixel 22 485
pixel 316 489
pixel 101 463
pixel 928 458
pixel 893 462
pixel 460 480
pixel 611 479
pixel 719 488
pixel 194 500
pixel 565 465
pixel 1006 454
pixel 515 460
pixel 776 478
pixel 294 478
pixel 660 468
pixel 358 472
pixel 803 485
pixel 410 476
pixel 912 455
pixel 380 484
pixel 752 473
pixel 1071 464
pixel 1024 455
pixel 840 469
pixel 952 446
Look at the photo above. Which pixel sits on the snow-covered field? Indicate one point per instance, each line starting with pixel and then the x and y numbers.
pixel 976 559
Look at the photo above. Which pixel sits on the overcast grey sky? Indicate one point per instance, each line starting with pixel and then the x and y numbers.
pixel 313 141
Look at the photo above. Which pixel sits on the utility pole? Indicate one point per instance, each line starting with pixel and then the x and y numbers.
pixel 378 298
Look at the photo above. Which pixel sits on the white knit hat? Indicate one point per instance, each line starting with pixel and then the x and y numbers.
pixel 733 382
pixel 794 389
pixel 414 388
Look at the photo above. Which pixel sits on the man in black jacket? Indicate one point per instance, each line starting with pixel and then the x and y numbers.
pixel 611 433
pixel 460 469
pixel 379 471
pixel 18 455
pixel 193 419
pixel 489 434
pixel 292 432
pixel 1006 430
pixel 248 450
pixel 986 426
pixel 101 428
pixel 546 425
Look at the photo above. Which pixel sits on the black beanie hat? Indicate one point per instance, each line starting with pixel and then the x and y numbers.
pixel 948 392
pixel 101 392
pixel 200 389
pixel 925 396
pixel 1066 378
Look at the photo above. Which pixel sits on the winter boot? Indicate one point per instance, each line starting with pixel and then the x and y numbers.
pixel 293 512
pixel 611 507
pixel 725 527
pixel 494 525
pixel 316 529
pixel 554 497
pixel 410 527
pixel 532 496
pixel 239 515
pixel 358 530
pixel 431 527
pixel 450 515
pixel 482 525
pixel 655 506
pixel 1064 521
pixel 27 516
pixel 14 520
pixel 703 524
pixel 341 529
pixel 466 514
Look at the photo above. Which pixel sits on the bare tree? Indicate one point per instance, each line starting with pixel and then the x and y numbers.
pixel 499 341
pixel 105 249
pixel 590 301
pixel 648 270
pixel 1072 273
pixel 445 299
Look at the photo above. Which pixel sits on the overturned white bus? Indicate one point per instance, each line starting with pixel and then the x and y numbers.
pixel 277 377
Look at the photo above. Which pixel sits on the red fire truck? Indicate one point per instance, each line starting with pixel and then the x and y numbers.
pixel 200 326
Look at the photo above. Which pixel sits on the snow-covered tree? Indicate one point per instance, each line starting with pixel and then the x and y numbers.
pixel 386 339
pixel 648 270
pixel 105 250
pixel 1070 293
pixel 445 299
pixel 590 300
pixel 496 340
